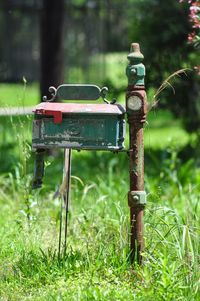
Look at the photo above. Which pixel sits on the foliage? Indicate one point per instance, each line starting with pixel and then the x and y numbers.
pixel 96 266
pixel 194 17
pixel 163 39
pixel 164 43
pixel 18 95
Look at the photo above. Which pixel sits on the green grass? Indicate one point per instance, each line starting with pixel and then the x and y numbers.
pixel 96 266
pixel 162 129
pixel 13 95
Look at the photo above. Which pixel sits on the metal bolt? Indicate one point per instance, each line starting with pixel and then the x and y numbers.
pixel 133 71
pixel 136 198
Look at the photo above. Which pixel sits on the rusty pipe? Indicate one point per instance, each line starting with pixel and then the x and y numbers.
pixel 136 107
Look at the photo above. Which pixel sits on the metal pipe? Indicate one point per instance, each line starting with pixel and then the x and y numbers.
pixel 60 229
pixel 38 168
pixel 136 184
pixel 66 192
pixel 136 107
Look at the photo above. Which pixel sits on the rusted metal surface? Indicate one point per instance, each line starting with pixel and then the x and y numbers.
pixel 136 118
pixel 136 184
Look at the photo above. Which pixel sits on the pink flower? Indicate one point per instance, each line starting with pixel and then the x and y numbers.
pixel 194 17
pixel 191 36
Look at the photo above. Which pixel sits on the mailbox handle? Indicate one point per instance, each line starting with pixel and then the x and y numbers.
pixel 78 92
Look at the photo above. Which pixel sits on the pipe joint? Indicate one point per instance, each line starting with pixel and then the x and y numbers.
pixel 137 198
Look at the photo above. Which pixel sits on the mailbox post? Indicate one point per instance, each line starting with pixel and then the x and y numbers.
pixel 136 108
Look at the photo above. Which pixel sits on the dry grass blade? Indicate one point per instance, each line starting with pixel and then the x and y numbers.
pixel 165 84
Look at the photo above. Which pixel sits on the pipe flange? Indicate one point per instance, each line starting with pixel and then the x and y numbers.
pixel 137 198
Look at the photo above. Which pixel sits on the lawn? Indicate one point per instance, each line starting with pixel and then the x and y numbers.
pixel 96 266
pixel 14 95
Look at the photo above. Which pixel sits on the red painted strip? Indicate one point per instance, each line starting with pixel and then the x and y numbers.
pixel 56 114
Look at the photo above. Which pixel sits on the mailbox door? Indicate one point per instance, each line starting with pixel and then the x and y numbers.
pixel 103 132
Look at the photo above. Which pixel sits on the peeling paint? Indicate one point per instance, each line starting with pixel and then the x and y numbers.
pixel 78 131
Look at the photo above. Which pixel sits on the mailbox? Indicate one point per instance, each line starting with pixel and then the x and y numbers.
pixel 97 126
pixel 87 126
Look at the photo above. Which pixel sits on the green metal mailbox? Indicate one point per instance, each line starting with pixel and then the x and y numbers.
pixel 76 125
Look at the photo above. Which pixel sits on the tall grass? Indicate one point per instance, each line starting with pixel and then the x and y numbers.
pixel 96 265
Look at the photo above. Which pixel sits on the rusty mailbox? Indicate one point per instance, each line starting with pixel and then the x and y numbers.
pixel 97 126
pixel 87 126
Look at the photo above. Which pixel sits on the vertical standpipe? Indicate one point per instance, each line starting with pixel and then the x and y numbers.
pixel 136 107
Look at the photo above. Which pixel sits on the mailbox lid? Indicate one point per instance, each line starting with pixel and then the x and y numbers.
pixel 75 108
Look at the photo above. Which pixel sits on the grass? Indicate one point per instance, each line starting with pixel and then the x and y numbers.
pixel 96 266
pixel 14 95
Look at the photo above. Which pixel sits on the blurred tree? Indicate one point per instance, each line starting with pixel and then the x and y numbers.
pixel 51 44
pixel 162 28
pixel 19 50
